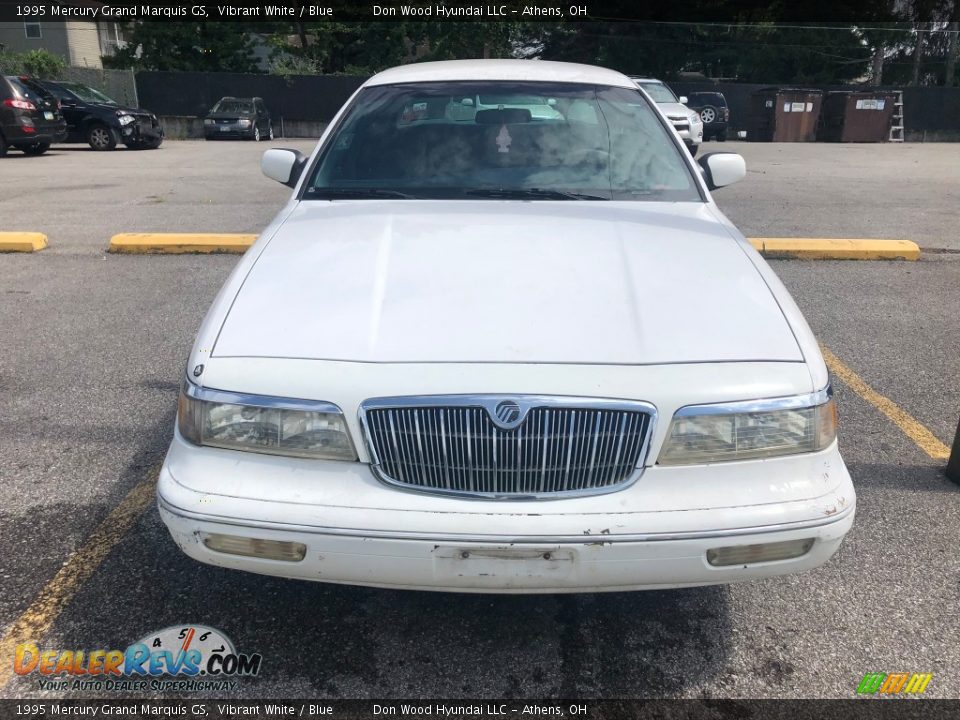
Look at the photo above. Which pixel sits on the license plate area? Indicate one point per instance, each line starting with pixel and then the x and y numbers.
pixel 505 565
pixel 48 115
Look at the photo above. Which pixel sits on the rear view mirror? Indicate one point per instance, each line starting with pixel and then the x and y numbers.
pixel 721 169
pixel 506 116
pixel 283 165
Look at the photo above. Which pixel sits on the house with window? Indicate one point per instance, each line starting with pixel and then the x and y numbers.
pixel 81 43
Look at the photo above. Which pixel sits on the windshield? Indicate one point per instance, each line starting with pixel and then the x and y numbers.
pixel 88 94
pixel 501 140
pixel 659 92
pixel 233 106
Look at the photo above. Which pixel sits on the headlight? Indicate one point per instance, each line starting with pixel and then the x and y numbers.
pixel 126 119
pixel 695 119
pixel 209 121
pixel 276 426
pixel 244 122
pixel 749 430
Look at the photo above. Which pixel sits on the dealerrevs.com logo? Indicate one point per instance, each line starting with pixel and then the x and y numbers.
pixel 894 683
pixel 177 658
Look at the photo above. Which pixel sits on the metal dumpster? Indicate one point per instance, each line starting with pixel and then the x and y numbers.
pixel 855 116
pixel 784 115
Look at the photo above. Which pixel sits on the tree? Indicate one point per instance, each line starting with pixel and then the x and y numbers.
pixel 953 45
pixel 752 52
pixel 214 46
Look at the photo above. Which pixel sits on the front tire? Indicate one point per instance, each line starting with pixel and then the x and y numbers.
pixel 36 149
pixel 101 138
pixel 3 146
pixel 256 134
pixel 270 132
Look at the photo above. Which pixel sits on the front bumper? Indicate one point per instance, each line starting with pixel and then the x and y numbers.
pixel 141 132
pixel 226 131
pixel 359 531
pixel 690 134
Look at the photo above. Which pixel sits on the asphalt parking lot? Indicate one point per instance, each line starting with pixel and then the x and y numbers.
pixel 94 346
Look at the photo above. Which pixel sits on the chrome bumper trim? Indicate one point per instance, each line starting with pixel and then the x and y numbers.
pixel 586 538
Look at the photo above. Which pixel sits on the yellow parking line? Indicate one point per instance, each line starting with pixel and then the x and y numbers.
pixel 179 243
pixel 913 428
pixel 836 248
pixel 22 241
pixel 39 617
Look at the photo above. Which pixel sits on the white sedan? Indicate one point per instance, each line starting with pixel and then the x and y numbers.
pixel 489 349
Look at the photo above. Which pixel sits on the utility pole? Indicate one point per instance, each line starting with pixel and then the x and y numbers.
pixel 953 46
pixel 876 73
pixel 918 54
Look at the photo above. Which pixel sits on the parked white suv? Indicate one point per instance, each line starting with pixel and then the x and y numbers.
pixel 687 122
pixel 489 349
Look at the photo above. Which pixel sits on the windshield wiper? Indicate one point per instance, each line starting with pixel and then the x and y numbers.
pixel 530 194
pixel 343 193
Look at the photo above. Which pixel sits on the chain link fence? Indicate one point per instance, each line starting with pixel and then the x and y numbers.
pixel 120 85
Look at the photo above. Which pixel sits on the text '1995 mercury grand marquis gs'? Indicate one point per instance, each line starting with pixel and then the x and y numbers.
pixel 501 339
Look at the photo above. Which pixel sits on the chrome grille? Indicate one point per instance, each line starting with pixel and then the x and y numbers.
pixel 453 444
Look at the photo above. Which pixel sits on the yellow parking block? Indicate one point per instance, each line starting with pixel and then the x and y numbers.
pixel 22 241
pixel 836 249
pixel 178 243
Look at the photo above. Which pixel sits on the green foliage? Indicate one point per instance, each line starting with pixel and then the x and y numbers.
pixel 212 46
pixel 731 39
pixel 38 63
pixel 287 65
pixel 364 48
pixel 355 47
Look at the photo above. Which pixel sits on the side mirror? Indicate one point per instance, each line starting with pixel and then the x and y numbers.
pixel 683 99
pixel 68 102
pixel 721 169
pixel 283 165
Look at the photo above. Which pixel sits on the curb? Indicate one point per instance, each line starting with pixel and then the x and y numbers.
pixel 22 241
pixel 828 249
pixel 179 243
pixel 773 248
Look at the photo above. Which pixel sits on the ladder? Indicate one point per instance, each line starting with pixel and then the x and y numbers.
pixel 896 129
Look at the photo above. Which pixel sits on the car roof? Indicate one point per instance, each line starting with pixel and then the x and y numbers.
pixel 532 70
pixel 646 80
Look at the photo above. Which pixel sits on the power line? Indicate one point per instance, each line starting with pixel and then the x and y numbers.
pixel 853 27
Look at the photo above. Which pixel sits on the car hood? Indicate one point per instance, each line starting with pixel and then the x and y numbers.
pixel 215 115
pixel 111 108
pixel 672 110
pixel 501 281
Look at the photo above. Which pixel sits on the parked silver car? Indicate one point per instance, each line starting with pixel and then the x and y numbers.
pixel 684 120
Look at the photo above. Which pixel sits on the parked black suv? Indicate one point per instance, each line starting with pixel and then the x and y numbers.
pixel 714 112
pixel 238 117
pixel 29 116
pixel 95 119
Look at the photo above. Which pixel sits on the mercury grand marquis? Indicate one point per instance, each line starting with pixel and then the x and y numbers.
pixel 501 339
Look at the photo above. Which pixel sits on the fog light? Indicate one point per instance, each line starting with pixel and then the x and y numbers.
pixel 256 547
pixel 764 552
